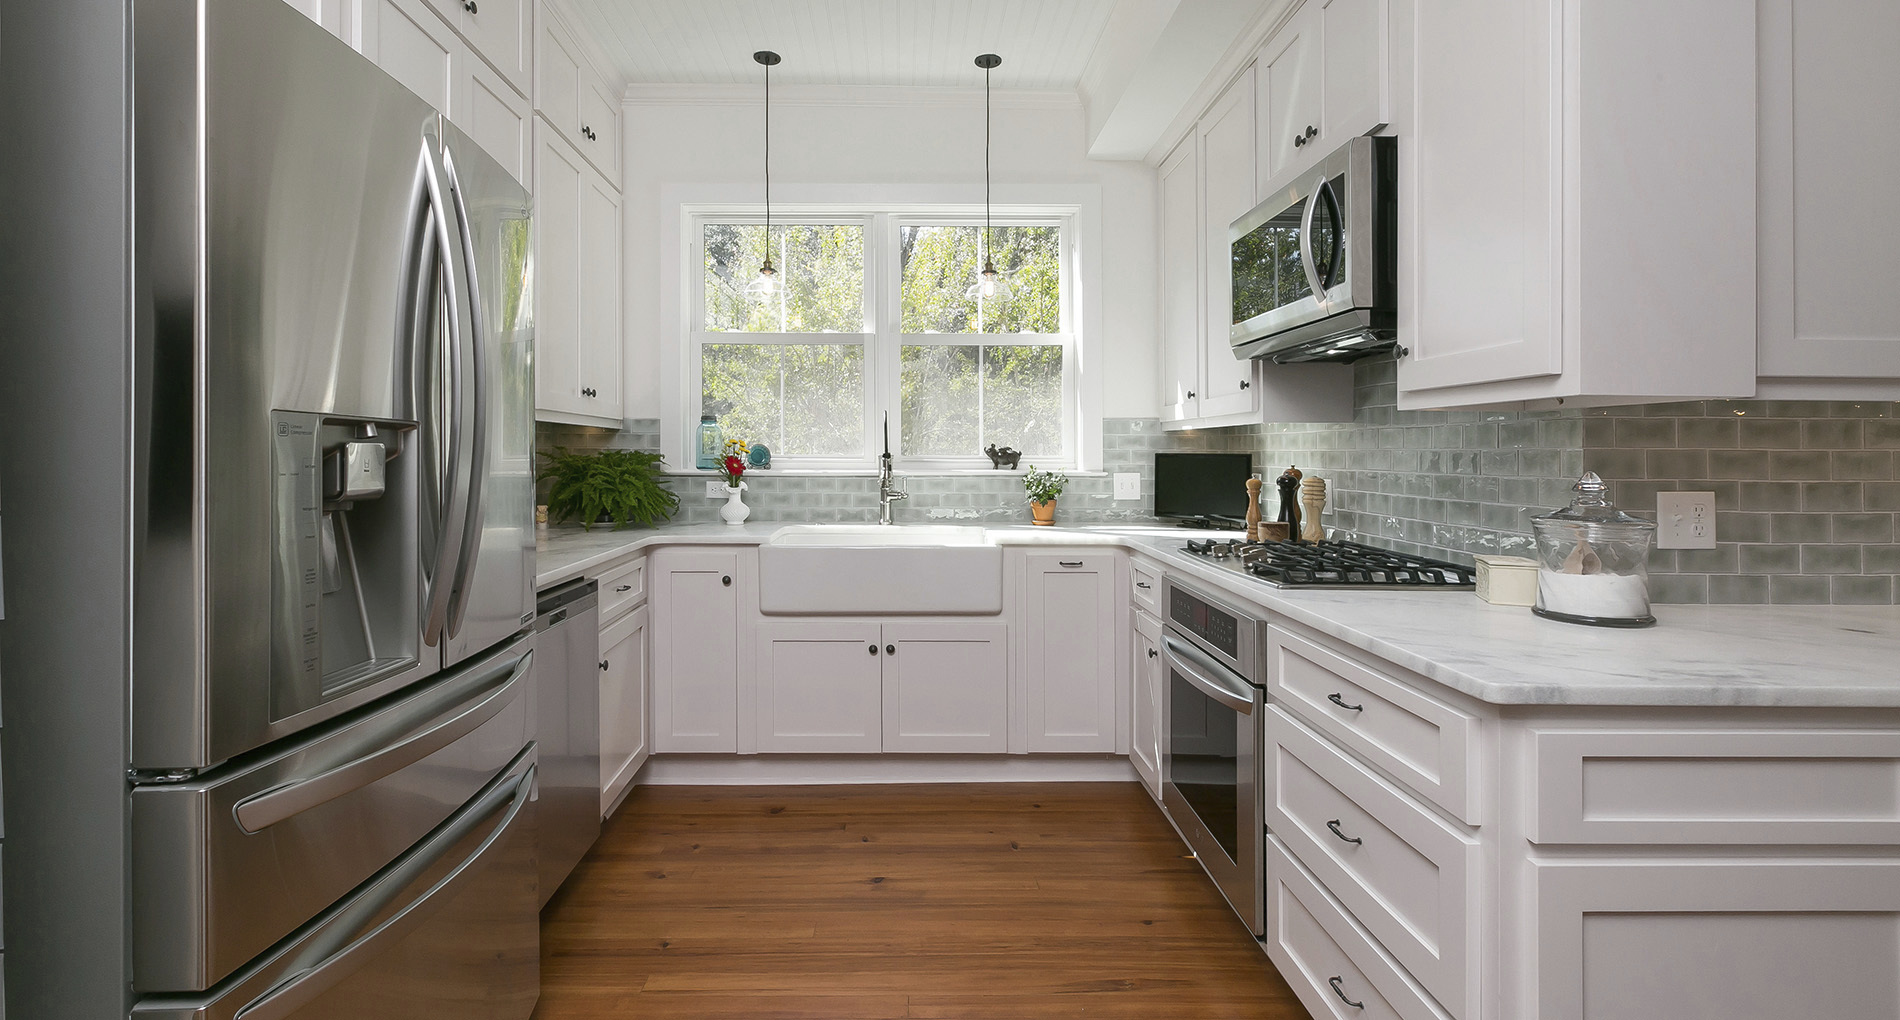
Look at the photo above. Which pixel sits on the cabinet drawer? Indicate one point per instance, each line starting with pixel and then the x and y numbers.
pixel 621 588
pixel 1422 743
pixel 1145 589
pixel 1405 874
pixel 1715 786
pixel 1334 966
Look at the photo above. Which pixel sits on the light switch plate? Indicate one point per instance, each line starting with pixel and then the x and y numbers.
pixel 1685 520
pixel 1127 485
pixel 715 490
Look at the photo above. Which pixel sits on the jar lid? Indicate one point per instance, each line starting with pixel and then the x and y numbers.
pixel 1593 506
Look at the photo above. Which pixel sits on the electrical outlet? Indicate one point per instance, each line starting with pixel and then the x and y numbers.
pixel 1685 520
pixel 715 490
pixel 1127 485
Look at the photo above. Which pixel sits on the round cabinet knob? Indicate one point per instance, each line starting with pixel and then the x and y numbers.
pixel 469 6
pixel 1152 653
pixel 873 649
pixel 726 580
pixel 603 665
pixel 1244 384
pixel 1190 394
pixel 890 649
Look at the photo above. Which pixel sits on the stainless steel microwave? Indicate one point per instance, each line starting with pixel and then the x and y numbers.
pixel 1315 265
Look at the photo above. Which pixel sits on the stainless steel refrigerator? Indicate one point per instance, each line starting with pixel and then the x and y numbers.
pixel 332 713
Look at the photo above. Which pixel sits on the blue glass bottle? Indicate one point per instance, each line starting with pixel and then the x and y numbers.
pixel 711 444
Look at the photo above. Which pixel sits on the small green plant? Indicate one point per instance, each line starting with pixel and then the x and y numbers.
pixel 621 485
pixel 1044 486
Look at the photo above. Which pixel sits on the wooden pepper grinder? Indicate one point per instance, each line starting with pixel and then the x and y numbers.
pixel 1289 485
pixel 1313 502
pixel 1253 509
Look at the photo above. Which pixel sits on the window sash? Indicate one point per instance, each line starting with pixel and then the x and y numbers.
pixel 883 345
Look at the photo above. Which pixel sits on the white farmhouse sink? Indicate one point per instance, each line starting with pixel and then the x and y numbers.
pixel 874 570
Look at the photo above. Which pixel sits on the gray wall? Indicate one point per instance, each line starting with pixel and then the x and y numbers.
pixel 1806 491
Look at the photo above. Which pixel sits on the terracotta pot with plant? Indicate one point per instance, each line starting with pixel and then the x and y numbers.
pixel 1043 487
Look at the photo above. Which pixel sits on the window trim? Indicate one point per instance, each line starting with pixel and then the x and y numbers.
pixel 883 345
pixel 656 376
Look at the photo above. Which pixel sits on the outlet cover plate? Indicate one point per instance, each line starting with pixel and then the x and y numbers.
pixel 715 490
pixel 1127 485
pixel 1685 520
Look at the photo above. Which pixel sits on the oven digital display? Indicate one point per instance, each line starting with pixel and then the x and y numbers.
pixel 1218 628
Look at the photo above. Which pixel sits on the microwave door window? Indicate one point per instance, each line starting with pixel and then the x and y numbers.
pixel 1254 280
pixel 1289 268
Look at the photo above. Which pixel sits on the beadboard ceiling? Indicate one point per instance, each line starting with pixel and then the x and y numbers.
pixel 1045 44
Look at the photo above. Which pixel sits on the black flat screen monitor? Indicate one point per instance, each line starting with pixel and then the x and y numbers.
pixel 1202 485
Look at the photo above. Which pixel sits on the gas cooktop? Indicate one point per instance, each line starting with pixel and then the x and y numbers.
pixel 1333 565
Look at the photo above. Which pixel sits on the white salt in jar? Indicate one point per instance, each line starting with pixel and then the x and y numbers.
pixel 1593 561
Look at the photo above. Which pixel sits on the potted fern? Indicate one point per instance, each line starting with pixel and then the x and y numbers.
pixel 621 486
pixel 1043 487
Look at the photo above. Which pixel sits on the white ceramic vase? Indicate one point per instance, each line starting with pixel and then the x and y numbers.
pixel 735 511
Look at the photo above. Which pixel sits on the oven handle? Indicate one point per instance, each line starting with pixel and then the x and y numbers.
pixel 1201 671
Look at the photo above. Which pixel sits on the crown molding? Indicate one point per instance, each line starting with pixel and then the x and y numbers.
pixel 908 96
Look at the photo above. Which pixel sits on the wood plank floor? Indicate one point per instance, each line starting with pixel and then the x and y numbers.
pixel 945 901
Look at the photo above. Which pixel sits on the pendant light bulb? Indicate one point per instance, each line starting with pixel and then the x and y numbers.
pixel 990 286
pixel 767 286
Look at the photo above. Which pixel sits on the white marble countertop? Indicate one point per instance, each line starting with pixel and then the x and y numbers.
pixel 1780 656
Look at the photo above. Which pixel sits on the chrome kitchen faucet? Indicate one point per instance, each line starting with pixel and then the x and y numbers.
pixel 886 492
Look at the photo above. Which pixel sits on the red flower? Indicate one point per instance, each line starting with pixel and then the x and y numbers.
pixel 734 469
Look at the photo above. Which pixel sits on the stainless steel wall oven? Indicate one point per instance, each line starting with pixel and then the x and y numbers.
pixel 1215 658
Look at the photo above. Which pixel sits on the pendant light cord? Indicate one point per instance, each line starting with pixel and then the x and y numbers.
pixel 768 162
pixel 989 231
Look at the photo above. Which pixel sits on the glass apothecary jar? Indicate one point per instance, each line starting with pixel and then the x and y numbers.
pixel 1593 561
pixel 710 448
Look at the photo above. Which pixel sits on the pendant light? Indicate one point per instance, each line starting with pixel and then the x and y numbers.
pixel 768 285
pixel 990 285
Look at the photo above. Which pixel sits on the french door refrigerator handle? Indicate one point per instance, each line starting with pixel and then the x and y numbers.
pixel 1187 658
pixel 304 985
pixel 263 810
pixel 475 339
pixel 1306 241
pixel 452 264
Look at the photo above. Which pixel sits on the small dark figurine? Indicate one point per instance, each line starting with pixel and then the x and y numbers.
pixel 1005 457
pixel 1289 485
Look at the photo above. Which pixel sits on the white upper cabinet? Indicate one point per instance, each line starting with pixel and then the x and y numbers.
pixel 1227 193
pixel 573 99
pixel 1181 309
pixel 1290 83
pixel 500 120
pixel 499 31
pixel 577 294
pixel 1576 200
pixel 1356 95
pixel 1830 222
pixel 408 40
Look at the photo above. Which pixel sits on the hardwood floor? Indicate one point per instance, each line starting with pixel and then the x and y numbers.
pixel 847 902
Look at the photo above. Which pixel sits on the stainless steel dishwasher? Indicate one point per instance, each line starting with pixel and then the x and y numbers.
pixel 567 667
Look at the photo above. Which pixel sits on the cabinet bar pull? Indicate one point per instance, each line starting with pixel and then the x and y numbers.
pixel 1334 825
pixel 1341 702
pixel 1070 563
pixel 1143 584
pixel 623 587
pixel 1341 992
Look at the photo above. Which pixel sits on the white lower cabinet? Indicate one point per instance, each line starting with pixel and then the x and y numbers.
pixel 623 704
pixel 1067 652
pixel 865 687
pixel 1760 939
pixel 946 687
pixel 1144 706
pixel 819 687
pixel 696 661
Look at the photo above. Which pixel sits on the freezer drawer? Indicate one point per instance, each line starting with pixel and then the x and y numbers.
pixel 226 865
pixel 448 931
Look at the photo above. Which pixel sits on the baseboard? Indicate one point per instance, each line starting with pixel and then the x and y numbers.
pixel 843 769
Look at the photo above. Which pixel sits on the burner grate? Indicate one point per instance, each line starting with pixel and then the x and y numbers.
pixel 1336 564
